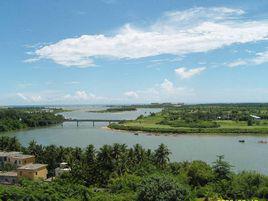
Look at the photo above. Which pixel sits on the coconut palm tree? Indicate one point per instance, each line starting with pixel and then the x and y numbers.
pixel 161 155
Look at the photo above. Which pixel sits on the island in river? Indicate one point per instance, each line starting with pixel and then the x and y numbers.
pixel 205 118
pixel 115 109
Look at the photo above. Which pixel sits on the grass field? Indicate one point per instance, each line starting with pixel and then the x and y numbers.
pixel 153 124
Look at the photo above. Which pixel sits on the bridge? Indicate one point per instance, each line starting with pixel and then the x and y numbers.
pixel 93 121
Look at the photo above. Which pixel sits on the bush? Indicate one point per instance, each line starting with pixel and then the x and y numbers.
pixel 125 183
pixel 162 188
pixel 263 192
pixel 199 173
pixel 246 184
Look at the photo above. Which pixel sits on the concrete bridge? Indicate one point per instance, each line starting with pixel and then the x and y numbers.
pixel 92 120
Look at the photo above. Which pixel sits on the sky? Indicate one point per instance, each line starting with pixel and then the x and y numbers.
pixel 123 52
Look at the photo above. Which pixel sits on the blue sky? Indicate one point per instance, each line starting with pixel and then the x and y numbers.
pixel 119 51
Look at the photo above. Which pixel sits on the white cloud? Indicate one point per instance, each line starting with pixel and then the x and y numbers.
pixel 131 94
pixel 46 97
pixel 81 96
pixel 30 98
pixel 260 58
pixel 237 63
pixel 31 60
pixel 184 73
pixel 163 92
pixel 167 86
pixel 175 33
pixel 72 83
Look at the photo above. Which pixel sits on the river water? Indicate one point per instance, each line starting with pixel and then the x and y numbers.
pixel 243 156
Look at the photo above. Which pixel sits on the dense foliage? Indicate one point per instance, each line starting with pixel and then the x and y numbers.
pixel 14 119
pixel 117 172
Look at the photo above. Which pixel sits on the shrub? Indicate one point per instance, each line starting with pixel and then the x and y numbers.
pixel 162 188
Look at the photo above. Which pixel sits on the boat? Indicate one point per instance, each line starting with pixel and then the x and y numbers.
pixel 263 141
pixel 241 141
pixel 136 133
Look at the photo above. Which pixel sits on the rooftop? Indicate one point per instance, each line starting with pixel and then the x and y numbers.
pixel 35 166
pixel 21 156
pixel 4 153
pixel 8 174
pixel 15 154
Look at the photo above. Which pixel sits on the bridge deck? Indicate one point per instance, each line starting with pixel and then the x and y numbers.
pixel 92 120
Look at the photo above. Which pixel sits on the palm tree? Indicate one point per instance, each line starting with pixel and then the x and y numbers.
pixel 139 153
pixel 161 155
pixel 90 154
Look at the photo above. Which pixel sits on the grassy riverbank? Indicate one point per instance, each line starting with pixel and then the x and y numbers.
pixel 214 119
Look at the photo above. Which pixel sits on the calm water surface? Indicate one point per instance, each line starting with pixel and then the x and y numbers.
pixel 244 156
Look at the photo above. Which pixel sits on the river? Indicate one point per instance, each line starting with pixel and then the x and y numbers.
pixel 243 156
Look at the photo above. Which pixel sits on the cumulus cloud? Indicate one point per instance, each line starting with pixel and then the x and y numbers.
pixel 131 94
pixel 175 33
pixel 167 86
pixel 79 96
pixel 165 91
pixel 184 73
pixel 260 58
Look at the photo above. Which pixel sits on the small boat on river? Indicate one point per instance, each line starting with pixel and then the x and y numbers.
pixel 263 141
pixel 241 141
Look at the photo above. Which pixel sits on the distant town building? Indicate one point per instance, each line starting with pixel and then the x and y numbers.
pixel 20 159
pixel 4 156
pixel 8 177
pixel 24 165
pixel 64 168
pixel 33 171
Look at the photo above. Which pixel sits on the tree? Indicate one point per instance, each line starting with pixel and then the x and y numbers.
pixel 161 155
pixel 222 169
pixel 246 184
pixel 162 188
pixel 199 173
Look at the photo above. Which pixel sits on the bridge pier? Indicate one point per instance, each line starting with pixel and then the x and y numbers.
pixel 77 123
pixel 93 122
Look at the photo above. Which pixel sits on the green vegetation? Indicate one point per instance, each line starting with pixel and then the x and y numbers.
pixel 21 118
pixel 119 173
pixel 213 118
pixel 116 109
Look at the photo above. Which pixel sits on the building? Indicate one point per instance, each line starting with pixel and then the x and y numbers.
pixel 62 169
pixel 5 155
pixel 20 159
pixel 33 171
pixel 16 158
pixel 8 177
pixel 255 117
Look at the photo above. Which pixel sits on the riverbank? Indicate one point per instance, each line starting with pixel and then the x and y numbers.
pixel 202 119
pixel 15 119
pixel 171 130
